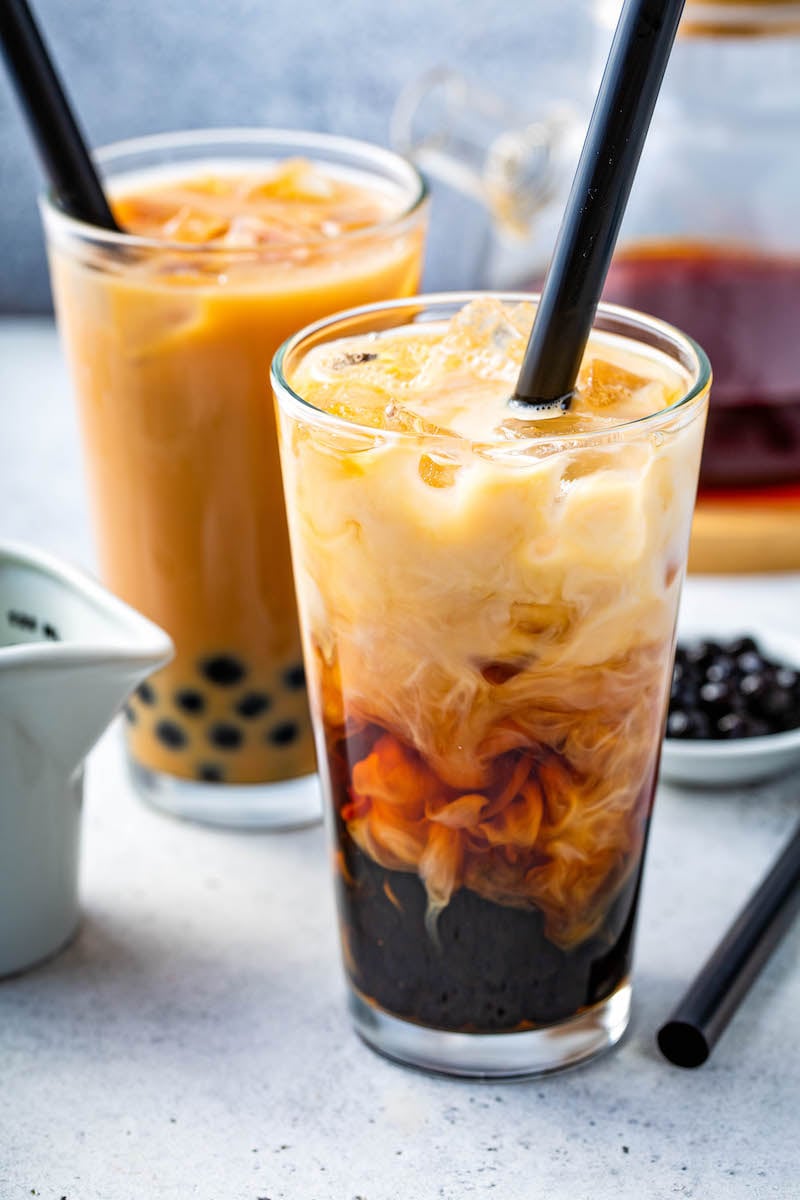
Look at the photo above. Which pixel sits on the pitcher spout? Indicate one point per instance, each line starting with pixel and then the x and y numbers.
pixel 70 654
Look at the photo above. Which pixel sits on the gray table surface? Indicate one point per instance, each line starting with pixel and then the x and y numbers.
pixel 192 1042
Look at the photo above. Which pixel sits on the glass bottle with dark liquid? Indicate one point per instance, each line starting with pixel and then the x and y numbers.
pixel 743 308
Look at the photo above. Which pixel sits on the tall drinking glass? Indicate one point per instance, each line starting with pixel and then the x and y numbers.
pixel 236 238
pixel 488 602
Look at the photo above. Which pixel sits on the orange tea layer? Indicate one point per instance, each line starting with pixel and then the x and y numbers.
pixel 170 343
pixel 489 602
pixel 294 213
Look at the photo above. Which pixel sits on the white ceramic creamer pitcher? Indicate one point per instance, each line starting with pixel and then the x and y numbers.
pixel 70 653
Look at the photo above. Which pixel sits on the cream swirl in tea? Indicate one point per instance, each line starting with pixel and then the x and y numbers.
pixel 489 599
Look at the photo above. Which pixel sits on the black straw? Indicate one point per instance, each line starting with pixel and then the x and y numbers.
pixel 690 1034
pixel 58 138
pixel 600 190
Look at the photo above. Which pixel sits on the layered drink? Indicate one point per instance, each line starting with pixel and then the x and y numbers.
pixel 488 598
pixel 230 244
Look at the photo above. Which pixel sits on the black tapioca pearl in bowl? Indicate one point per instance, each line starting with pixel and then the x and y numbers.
pixel 223 669
pixel 146 693
pixel 170 734
pixel 731 690
pixel 225 735
pixel 294 677
pixel 210 773
pixel 253 704
pixel 190 701
pixel 284 733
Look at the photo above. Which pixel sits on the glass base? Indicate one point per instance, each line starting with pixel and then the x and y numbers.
pixel 286 804
pixel 495 1055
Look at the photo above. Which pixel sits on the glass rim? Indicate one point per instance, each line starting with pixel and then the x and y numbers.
pixel 633 319
pixel 265 136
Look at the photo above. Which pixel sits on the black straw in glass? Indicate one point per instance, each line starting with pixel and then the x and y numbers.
pixel 692 1030
pixel 600 190
pixel 58 138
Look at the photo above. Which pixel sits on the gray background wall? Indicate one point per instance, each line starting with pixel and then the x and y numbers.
pixel 144 66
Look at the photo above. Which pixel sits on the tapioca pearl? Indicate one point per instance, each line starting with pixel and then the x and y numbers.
pixel 170 734
pixel 223 670
pixel 225 736
pixel 253 704
pixel 190 701
pixel 130 714
pixel 294 678
pixel 284 733
pixel 210 773
pixel 146 693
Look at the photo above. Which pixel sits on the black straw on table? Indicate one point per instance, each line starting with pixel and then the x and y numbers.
pixel 617 131
pixel 58 138
pixel 692 1030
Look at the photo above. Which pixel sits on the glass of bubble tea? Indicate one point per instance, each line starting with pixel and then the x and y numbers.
pixel 233 240
pixel 488 602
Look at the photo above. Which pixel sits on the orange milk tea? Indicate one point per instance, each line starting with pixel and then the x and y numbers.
pixel 169 341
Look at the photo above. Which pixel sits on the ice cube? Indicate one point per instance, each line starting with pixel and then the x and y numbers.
pixel 611 390
pixel 555 425
pixel 405 420
pixel 144 215
pixel 294 179
pixel 386 362
pixel 248 230
pixel 485 339
pixel 354 402
pixel 438 470
pixel 194 224
pixel 354 214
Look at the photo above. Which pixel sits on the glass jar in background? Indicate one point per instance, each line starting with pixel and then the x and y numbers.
pixel 711 241
pixel 500 151
pixel 501 174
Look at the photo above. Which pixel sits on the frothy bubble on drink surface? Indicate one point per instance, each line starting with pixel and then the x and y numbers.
pixel 456 378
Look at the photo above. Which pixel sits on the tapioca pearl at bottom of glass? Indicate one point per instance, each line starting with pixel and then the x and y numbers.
pixel 146 693
pixel 170 734
pixel 294 678
pixel 225 736
pixel 190 701
pixel 253 704
pixel 210 773
pixel 224 670
pixel 283 734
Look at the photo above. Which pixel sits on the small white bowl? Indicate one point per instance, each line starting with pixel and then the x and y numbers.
pixel 708 763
